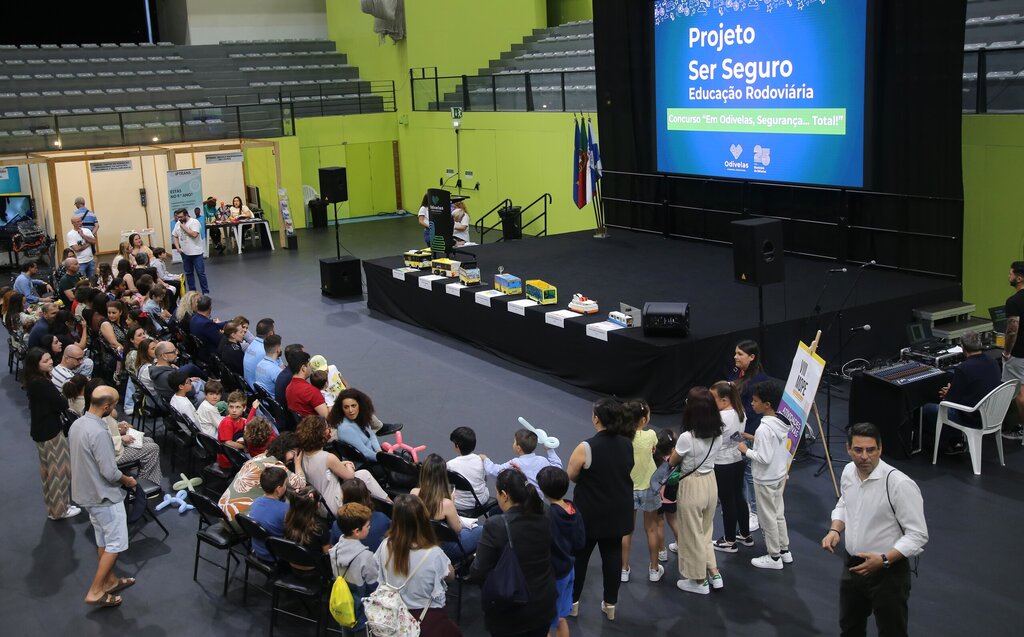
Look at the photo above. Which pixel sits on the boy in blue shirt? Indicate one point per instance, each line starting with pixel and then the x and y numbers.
pixel 567 537
pixel 269 509
pixel 524 444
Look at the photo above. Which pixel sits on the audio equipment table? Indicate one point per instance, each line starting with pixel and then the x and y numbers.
pixel 888 396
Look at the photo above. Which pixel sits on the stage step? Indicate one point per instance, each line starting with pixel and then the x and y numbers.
pixel 951 330
pixel 942 311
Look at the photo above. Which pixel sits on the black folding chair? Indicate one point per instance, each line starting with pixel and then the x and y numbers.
pixel 215 477
pixel 403 475
pixel 150 489
pixel 313 585
pixel 460 482
pixel 214 531
pixel 256 532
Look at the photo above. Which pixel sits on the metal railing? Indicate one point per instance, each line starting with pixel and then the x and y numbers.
pixel 505 206
pixel 271 115
pixel 993 80
pixel 553 91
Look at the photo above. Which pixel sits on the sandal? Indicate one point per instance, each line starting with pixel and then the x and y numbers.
pixel 122 583
pixel 107 601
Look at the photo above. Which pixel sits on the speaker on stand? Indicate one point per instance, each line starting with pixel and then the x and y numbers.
pixel 757 257
pixel 339 276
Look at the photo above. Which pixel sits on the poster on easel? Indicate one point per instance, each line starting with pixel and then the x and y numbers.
pixel 185 190
pixel 798 397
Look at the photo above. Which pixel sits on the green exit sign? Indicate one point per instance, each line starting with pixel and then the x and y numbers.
pixel 456 112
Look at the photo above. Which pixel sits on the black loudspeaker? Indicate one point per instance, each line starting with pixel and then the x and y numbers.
pixel 341 277
pixel 333 184
pixel 757 251
pixel 666 319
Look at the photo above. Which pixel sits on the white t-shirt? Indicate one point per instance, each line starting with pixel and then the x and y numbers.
pixel 463 234
pixel 209 418
pixel 427 587
pixel 471 467
pixel 184 406
pixel 76 237
pixel 694 451
pixel 192 246
pixel 728 453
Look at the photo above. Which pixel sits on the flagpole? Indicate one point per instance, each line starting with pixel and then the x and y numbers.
pixel 602 230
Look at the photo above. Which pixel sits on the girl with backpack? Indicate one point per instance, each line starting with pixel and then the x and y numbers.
pixel 413 573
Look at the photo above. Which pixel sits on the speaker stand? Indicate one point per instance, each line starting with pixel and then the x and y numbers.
pixel 337 231
pixel 760 317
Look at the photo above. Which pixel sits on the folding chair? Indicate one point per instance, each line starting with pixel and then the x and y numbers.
pixel 214 531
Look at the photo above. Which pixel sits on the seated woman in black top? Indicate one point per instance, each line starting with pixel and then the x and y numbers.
pixel 524 518
pixel 303 525
pixel 230 349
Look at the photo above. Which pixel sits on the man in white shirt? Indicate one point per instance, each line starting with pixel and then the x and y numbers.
pixel 189 242
pixel 82 241
pixel 882 513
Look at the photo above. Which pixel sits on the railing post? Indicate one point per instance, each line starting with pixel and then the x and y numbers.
pixel 359 97
pixel 494 91
pixel 412 89
pixel 181 123
pixel 437 91
pixel 529 93
pixel 120 125
pixel 465 92
pixel 563 92
pixel 238 122
pixel 982 82
pixel 320 90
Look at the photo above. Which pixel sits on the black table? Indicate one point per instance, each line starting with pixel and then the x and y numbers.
pixel 892 408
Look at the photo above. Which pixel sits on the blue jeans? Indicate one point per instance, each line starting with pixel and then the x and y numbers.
pixel 748 486
pixel 930 413
pixel 88 270
pixel 468 538
pixel 195 264
pixel 129 396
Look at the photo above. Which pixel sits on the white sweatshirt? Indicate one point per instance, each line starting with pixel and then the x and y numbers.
pixel 769 458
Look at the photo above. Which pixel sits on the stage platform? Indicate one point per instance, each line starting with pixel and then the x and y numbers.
pixel 633 268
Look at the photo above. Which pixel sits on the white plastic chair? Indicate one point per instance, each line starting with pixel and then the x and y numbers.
pixel 992 408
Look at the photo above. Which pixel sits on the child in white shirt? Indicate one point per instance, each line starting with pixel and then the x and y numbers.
pixel 470 466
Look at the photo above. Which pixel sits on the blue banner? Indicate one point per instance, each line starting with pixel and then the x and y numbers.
pixel 767 90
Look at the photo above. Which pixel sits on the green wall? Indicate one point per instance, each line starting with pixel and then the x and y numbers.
pixel 515 155
pixel 261 171
pixel 562 11
pixel 993 154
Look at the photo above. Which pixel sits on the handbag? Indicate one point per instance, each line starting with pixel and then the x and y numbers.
pixel 505 586
pixel 677 476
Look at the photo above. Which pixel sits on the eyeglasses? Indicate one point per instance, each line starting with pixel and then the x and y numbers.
pixel 861 451
pixel 76 358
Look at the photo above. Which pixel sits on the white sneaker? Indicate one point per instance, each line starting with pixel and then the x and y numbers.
pixel 663 555
pixel 575 609
pixel 767 561
pixel 624 576
pixel 753 523
pixel 673 547
pixel 71 512
pixel 692 587
pixel 787 557
pixel 717 582
pixel 655 574
pixel 608 610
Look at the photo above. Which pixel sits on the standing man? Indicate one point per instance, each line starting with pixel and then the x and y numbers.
pixel 89 220
pixel 188 241
pixel 82 241
pixel 1013 346
pixel 96 486
pixel 882 513
pixel 26 283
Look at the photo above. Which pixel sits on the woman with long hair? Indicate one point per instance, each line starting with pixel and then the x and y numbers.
pixel 600 466
pixel 323 470
pixel 186 308
pixel 352 413
pixel 411 559
pixel 303 525
pixel 697 497
pixel 435 491
pixel 45 405
pixel 356 491
pixel 525 525
pixel 124 253
pixel 138 246
pixel 748 370
pixel 104 276
pixel 729 469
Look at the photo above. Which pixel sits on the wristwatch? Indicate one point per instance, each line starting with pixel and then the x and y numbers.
pixel 885 561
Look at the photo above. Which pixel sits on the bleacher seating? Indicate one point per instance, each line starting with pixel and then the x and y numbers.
pixel 76 96
pixel 553 57
pixel 997 26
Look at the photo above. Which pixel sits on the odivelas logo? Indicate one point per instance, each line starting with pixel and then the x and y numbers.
pixel 734 164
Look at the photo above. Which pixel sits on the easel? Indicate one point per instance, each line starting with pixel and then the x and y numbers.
pixel 821 430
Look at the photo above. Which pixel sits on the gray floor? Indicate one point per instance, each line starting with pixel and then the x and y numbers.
pixel 434 383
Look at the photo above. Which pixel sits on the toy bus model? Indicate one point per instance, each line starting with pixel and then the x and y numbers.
pixel 508 284
pixel 469 273
pixel 445 267
pixel 620 318
pixel 417 259
pixel 541 292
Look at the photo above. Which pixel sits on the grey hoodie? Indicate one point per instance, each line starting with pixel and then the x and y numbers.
pixel 769 458
pixel 362 568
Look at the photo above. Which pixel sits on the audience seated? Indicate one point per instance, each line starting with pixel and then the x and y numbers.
pixel 233 425
pixel 209 412
pixel 256 351
pixel 270 509
pixel 470 466
pixel 257 435
pixel 523 444
pixel 230 347
pixel 270 366
pixel 303 525
pixel 301 397
pixel 323 470
pixel 166 355
pixel 207 330
pixel 246 487
pixel 28 286
pixel 435 490
pixel 70 364
pixel 350 557
pixel 355 491
pixel 352 414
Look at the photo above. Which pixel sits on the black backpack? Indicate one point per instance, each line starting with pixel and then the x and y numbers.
pixel 505 586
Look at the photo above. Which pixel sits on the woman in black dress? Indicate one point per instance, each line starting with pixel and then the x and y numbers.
pixel 45 404
pixel 600 467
